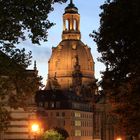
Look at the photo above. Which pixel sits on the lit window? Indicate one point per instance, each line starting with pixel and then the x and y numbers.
pixel 74 46
pixel 77 132
pixel 52 105
pixel 77 114
pixel 77 123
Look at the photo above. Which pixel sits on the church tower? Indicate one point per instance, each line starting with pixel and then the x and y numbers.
pixel 71 61
pixel 71 23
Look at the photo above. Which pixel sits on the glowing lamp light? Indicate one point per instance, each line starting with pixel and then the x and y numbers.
pixel 35 127
pixel 119 138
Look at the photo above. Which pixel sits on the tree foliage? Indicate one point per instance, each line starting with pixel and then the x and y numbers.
pixel 18 16
pixel 4 118
pixel 62 131
pixel 52 135
pixel 118 40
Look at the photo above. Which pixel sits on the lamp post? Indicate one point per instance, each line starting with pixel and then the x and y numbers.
pixel 35 129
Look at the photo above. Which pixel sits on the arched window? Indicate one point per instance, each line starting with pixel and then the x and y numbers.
pixel 74 24
pixel 67 24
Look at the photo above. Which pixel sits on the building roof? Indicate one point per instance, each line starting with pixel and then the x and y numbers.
pixel 56 99
pixel 57 95
pixel 71 8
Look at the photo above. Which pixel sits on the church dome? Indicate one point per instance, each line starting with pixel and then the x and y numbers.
pixel 71 63
pixel 64 58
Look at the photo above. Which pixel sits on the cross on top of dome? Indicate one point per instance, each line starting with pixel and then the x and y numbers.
pixel 71 1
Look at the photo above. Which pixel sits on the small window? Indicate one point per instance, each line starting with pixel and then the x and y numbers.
pixel 75 24
pixel 77 123
pixel 77 114
pixel 67 24
pixel 77 132
pixel 74 46
pixel 63 114
pixel 52 105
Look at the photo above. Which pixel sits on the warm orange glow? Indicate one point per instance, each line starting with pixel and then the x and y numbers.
pixel 35 127
pixel 119 138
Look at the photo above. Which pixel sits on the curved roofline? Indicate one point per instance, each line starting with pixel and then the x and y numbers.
pixel 71 8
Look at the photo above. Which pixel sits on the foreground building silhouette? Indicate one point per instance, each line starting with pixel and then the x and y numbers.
pixel 69 100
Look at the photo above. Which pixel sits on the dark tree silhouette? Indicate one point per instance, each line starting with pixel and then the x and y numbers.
pixel 118 41
pixel 18 16
pixel 19 20
pixel 62 131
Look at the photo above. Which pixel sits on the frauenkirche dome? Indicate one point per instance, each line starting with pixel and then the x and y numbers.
pixel 71 64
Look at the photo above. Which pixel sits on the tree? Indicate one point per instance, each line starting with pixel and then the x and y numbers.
pixel 20 19
pixel 52 135
pixel 62 131
pixel 118 41
pixel 18 16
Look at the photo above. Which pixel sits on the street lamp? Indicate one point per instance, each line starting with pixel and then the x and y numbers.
pixel 35 129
